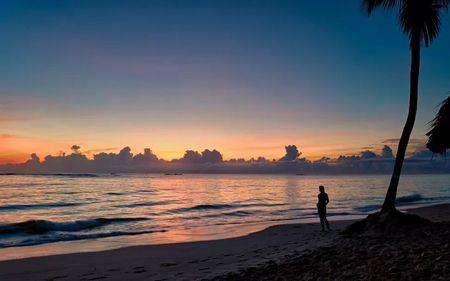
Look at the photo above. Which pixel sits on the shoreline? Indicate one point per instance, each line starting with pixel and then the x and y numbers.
pixel 177 236
pixel 189 260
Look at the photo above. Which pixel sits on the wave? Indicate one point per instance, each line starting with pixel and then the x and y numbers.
pixel 227 214
pixel 207 207
pixel 115 193
pixel 400 201
pixel 73 237
pixel 263 204
pixel 146 191
pixel 303 216
pixel 203 207
pixel 367 208
pixel 410 198
pixel 44 226
pixel 63 192
pixel 144 204
pixel 69 175
pixel 238 213
pixel 37 206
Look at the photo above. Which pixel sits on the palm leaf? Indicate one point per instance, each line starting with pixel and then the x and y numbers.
pixel 370 5
pixel 417 18
pixel 439 134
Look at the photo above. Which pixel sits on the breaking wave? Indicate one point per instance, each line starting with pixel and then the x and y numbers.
pixel 43 226
pixel 37 206
pixel 72 237
pixel 402 201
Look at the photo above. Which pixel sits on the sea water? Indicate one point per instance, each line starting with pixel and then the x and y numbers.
pixel 157 208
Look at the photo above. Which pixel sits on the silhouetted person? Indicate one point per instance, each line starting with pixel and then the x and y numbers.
pixel 322 208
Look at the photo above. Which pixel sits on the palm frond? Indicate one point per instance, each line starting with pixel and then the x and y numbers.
pixel 418 18
pixel 370 5
pixel 422 18
pixel 439 134
pixel 442 4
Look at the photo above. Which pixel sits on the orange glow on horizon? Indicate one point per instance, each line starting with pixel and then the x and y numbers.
pixel 13 158
pixel 17 148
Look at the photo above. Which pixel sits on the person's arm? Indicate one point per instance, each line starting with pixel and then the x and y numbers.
pixel 327 200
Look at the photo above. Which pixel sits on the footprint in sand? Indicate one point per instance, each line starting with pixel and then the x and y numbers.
pixel 98 278
pixel 138 267
pixel 166 264
pixel 58 277
pixel 112 269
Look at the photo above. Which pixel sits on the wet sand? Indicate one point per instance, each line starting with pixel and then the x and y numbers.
pixel 188 261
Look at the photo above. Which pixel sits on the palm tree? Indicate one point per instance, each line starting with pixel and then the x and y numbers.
pixel 420 20
pixel 439 134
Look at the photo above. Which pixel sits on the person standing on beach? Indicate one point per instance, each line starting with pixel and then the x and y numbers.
pixel 322 208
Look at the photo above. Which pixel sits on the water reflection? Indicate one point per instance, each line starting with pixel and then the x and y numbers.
pixel 190 205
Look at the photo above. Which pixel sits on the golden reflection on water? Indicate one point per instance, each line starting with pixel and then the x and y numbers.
pixel 189 207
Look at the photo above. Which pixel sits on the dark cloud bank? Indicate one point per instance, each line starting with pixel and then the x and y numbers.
pixel 211 161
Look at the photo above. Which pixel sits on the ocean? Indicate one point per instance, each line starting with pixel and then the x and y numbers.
pixel 70 213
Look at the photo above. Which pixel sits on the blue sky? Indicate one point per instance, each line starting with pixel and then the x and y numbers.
pixel 245 77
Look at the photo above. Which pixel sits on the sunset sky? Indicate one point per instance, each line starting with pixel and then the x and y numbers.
pixel 243 77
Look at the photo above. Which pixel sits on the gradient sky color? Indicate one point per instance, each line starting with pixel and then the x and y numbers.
pixel 244 77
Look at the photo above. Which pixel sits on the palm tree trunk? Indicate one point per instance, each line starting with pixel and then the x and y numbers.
pixel 389 201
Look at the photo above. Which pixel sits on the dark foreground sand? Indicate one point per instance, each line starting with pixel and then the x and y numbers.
pixel 284 252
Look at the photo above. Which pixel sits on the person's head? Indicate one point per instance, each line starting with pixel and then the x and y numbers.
pixel 321 189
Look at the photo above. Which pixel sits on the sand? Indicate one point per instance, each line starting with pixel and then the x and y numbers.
pixel 188 261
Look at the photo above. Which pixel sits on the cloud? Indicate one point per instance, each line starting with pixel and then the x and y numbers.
pixel 34 158
pixel 367 154
pixel 292 153
pixel 386 152
pixel 424 154
pixel 146 159
pixel 90 151
pixel 211 161
pixel 213 156
pixel 191 156
pixel 207 156
pixel 367 147
pixel 75 148
pixel 411 141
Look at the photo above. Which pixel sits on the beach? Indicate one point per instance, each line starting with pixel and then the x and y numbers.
pixel 224 140
pixel 224 259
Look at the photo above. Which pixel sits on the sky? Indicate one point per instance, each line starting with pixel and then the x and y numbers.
pixel 243 77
